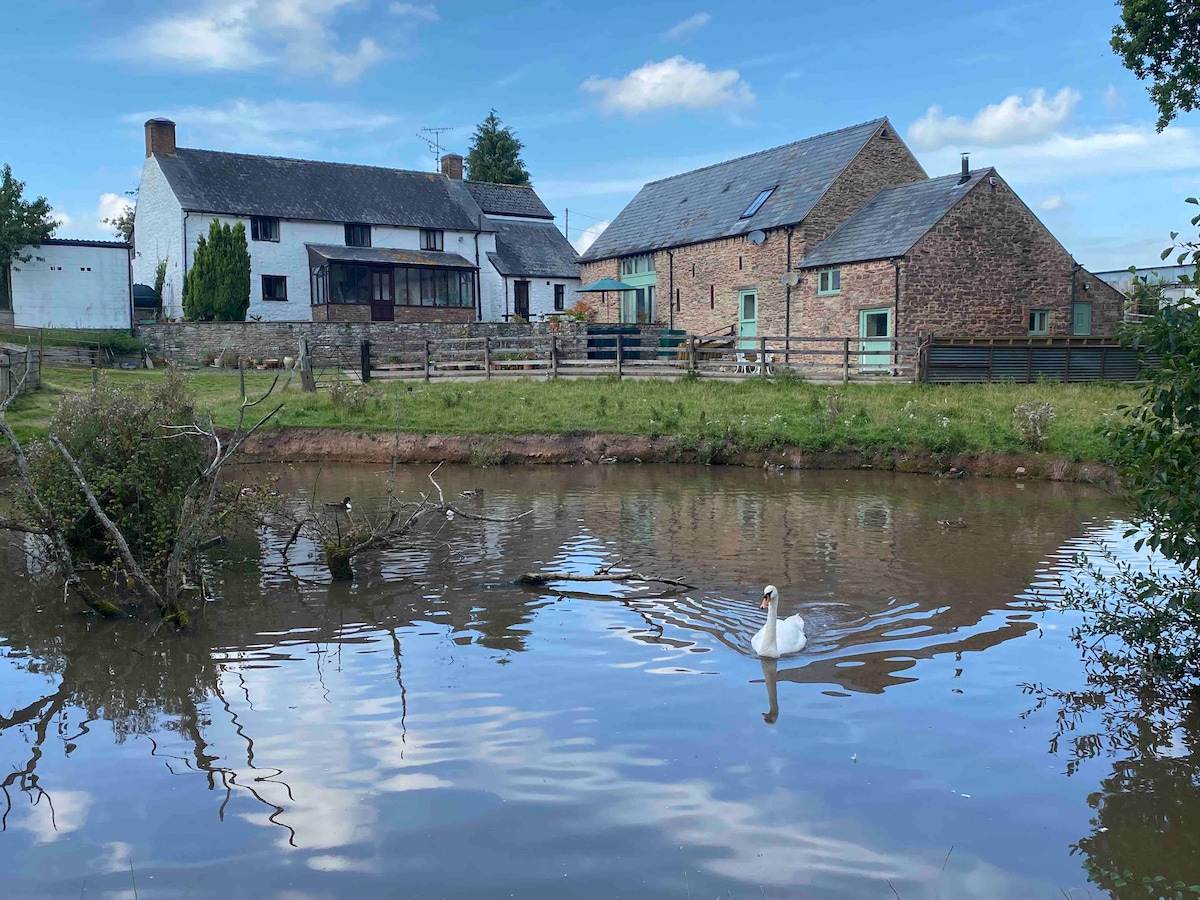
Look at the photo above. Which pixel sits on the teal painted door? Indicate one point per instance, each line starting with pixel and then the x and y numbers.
pixel 1081 317
pixel 875 340
pixel 747 320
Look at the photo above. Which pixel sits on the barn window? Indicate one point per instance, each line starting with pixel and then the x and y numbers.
pixel 264 228
pixel 829 281
pixel 1039 321
pixel 274 287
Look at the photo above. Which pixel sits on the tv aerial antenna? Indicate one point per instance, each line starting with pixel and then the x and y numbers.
pixel 433 140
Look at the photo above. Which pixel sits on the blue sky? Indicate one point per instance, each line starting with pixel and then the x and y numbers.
pixel 605 96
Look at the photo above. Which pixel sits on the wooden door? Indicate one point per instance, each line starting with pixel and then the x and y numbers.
pixel 521 299
pixel 383 307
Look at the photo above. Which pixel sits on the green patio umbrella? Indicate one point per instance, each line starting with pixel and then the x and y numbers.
pixel 603 286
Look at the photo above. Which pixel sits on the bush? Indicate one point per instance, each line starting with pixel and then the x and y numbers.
pixel 582 311
pixel 351 397
pixel 137 474
pixel 1033 424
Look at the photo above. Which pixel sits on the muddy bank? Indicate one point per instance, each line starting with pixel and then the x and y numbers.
pixel 316 444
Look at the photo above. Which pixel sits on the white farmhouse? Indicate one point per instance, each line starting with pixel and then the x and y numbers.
pixel 68 284
pixel 333 242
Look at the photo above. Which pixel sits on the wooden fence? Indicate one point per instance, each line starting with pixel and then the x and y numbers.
pixel 675 355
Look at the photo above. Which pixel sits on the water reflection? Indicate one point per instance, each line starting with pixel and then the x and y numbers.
pixel 369 732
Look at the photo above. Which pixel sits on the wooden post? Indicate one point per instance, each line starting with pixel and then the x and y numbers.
pixel 242 377
pixel 1067 370
pixel 1103 360
pixel 95 376
pixel 364 350
pixel 620 343
pixel 845 360
pixel 762 357
pixel 553 356
pixel 41 352
pixel 307 383
pixel 1029 364
pixel 487 357
pixel 425 360
pixel 991 357
pixel 691 360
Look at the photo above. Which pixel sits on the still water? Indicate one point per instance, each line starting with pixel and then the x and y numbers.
pixel 434 730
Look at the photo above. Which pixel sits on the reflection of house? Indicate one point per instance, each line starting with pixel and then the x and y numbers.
pixel 843 234
pixel 68 284
pixel 349 243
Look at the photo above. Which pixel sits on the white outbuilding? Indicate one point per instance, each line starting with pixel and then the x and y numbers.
pixel 69 284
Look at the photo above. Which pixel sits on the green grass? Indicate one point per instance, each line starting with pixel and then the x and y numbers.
pixel 746 415
pixel 119 342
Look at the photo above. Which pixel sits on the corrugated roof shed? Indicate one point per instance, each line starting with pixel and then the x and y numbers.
pixel 892 221
pixel 536 249
pixel 708 203
pixel 210 181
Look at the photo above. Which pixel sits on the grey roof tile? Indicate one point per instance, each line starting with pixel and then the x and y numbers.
pixel 707 203
pixel 508 200
pixel 892 221
pixel 533 248
pixel 210 181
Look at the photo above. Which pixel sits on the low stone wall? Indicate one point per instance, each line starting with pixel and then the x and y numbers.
pixel 189 343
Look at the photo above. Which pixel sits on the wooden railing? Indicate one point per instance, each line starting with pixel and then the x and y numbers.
pixel 674 355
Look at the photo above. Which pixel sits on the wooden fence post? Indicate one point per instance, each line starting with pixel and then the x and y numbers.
pixel 762 357
pixel 487 357
pixel 242 377
pixel 620 343
pixel 1029 364
pixel 845 360
pixel 425 360
pixel 553 356
pixel 1067 369
pixel 364 350
pixel 691 360
pixel 307 383
pixel 1103 360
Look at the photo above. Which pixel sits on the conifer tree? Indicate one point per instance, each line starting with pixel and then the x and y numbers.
pixel 217 286
pixel 495 154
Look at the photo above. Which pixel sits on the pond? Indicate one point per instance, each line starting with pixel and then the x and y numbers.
pixel 432 729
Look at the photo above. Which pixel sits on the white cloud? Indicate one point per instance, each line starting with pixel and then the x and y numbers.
pixel 673 83
pixel 1014 120
pixel 65 222
pixel 1052 203
pixel 589 235
pixel 111 206
pixel 240 35
pixel 1113 100
pixel 426 12
pixel 276 126
pixel 681 31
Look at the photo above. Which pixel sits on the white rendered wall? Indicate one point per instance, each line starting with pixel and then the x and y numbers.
pixel 541 296
pixel 158 234
pixel 66 286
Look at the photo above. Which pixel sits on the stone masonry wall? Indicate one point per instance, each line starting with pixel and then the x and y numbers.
pixel 986 264
pixel 709 277
pixel 870 285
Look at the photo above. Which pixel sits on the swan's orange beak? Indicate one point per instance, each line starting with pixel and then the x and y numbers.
pixel 766 601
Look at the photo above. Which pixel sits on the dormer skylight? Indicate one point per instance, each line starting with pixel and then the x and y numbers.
pixel 758 202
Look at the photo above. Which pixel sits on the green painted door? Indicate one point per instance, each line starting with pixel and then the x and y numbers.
pixel 875 340
pixel 1081 317
pixel 747 320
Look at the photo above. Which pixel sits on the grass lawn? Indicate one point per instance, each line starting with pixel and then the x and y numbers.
pixel 746 415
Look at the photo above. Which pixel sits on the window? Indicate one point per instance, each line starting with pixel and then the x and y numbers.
pixel 5 289
pixel 758 202
pixel 638 265
pixel 274 288
pixel 432 240
pixel 358 235
pixel 413 286
pixel 876 323
pixel 1081 317
pixel 829 281
pixel 560 297
pixel 1039 321
pixel 264 228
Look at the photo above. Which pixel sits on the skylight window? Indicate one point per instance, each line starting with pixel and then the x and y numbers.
pixel 758 202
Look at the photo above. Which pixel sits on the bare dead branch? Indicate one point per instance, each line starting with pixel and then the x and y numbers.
pixel 603 575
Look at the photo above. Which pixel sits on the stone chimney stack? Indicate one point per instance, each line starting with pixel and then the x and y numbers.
pixel 160 137
pixel 452 166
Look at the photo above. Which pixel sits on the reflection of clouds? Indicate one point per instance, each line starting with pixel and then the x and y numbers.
pixel 49 818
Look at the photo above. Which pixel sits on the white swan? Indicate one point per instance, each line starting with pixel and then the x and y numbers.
pixel 778 638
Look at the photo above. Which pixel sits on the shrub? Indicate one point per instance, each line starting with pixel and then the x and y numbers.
pixel 1033 424
pixel 351 397
pixel 582 311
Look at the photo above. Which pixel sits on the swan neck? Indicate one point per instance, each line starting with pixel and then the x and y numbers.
pixel 772 617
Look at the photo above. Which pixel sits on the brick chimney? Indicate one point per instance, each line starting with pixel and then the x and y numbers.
pixel 160 137
pixel 452 165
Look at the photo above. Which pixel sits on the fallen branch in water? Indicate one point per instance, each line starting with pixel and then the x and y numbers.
pixel 605 574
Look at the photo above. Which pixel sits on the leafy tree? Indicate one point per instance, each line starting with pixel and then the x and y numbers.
pixel 1159 40
pixel 23 223
pixel 122 224
pixel 495 154
pixel 160 279
pixel 217 287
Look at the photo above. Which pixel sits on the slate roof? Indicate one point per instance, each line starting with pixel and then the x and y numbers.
pixel 536 249
pixel 388 256
pixel 508 200
pixel 211 181
pixel 707 203
pixel 892 221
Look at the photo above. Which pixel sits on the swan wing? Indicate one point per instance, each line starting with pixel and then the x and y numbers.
pixel 790 637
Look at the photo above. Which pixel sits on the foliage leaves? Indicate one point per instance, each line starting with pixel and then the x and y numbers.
pixel 495 154
pixel 138 474
pixel 1159 41
pixel 217 287
pixel 23 223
